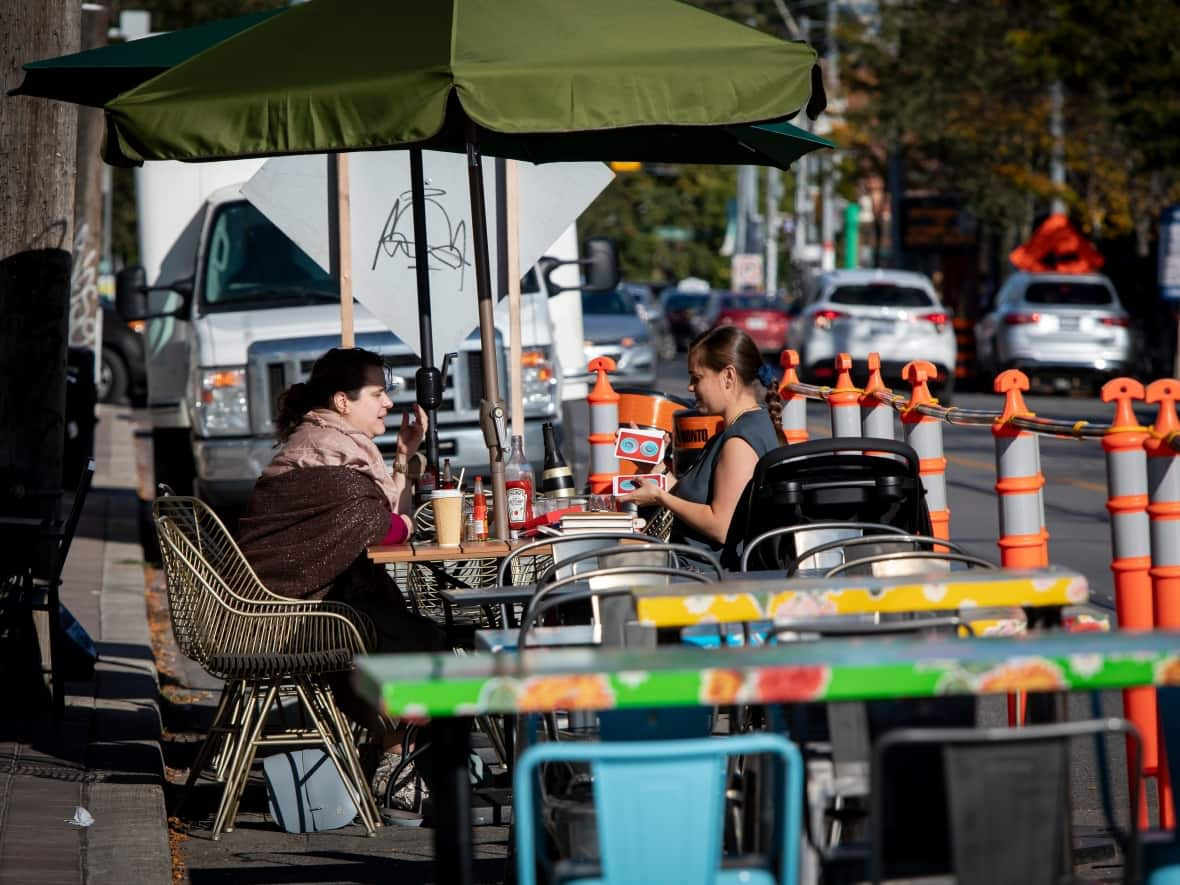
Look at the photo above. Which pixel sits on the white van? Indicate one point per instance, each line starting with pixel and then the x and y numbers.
pixel 238 312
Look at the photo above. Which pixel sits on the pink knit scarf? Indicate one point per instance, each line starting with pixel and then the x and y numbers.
pixel 325 439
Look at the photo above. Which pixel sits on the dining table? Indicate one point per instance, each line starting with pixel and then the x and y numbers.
pixel 449 690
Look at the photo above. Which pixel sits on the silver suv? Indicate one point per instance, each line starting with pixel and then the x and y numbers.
pixel 1058 328
pixel 894 313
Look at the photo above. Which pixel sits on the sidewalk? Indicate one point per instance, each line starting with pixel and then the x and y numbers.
pixel 106 756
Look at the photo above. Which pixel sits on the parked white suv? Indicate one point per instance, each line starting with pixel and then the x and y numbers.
pixel 895 313
pixel 1059 328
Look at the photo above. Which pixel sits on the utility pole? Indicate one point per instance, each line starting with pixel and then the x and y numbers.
pixel 832 78
pixel 799 246
pixel 1057 159
pixel 37 173
pixel 774 190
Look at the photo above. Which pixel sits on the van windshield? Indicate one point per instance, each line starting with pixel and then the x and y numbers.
pixel 252 264
pixel 1067 292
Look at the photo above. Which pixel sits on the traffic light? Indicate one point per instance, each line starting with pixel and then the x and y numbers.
pixel 625 166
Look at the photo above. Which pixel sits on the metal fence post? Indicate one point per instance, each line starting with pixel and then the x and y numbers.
pixel 923 433
pixel 1163 508
pixel 876 417
pixel 604 424
pixel 1126 485
pixel 844 399
pixel 794 416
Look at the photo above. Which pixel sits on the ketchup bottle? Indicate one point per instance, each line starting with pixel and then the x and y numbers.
pixel 518 482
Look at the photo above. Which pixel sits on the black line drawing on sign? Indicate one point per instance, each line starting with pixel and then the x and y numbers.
pixel 394 242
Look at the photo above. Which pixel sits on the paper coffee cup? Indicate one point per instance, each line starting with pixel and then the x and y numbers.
pixel 448 516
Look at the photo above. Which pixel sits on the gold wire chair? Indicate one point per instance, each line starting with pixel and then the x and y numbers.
pixel 265 647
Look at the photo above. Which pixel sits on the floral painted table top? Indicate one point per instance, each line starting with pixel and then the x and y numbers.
pixel 681 605
pixel 822 670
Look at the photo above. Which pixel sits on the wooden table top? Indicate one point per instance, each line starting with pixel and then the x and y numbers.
pixel 822 670
pixel 420 551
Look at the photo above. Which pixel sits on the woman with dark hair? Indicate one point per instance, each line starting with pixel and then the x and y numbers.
pixel 324 498
pixel 724 367
pixel 327 496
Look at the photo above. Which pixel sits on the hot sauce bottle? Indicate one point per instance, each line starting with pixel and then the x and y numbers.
pixel 518 483
pixel 479 513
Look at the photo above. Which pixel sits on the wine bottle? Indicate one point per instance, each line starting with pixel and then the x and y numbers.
pixel 557 479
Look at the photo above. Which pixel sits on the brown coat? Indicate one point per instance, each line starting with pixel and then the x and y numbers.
pixel 306 528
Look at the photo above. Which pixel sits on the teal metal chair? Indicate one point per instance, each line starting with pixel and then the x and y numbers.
pixel 659 808
pixel 1161 850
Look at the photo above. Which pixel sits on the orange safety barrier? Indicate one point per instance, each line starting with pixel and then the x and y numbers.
pixel 876 415
pixel 844 399
pixel 1024 540
pixel 604 423
pixel 1163 482
pixel 794 418
pixel 923 433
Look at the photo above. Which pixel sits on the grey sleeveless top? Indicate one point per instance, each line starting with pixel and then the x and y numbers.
pixel 696 485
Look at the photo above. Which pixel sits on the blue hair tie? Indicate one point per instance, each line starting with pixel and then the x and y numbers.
pixel 766 376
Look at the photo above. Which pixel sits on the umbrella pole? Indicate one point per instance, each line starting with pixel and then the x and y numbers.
pixel 491 408
pixel 340 240
pixel 428 381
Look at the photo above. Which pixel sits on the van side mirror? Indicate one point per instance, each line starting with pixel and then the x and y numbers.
pixel 134 301
pixel 600 268
pixel 601 264
pixel 131 292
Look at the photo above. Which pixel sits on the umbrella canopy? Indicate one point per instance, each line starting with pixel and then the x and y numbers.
pixel 549 80
pixel 95 76
pixel 535 80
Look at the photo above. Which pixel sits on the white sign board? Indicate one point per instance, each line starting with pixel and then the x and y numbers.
pixel 292 192
pixel 746 271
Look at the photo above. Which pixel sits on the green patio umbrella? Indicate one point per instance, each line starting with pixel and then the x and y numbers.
pixel 95 76
pixel 535 80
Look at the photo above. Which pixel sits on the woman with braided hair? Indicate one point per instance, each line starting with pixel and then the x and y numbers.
pixel 724 372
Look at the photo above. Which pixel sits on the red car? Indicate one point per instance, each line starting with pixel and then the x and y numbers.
pixel 763 318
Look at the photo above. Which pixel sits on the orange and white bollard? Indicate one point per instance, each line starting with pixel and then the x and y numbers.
pixel 1163 508
pixel 604 423
pixel 1126 482
pixel 1024 540
pixel 876 417
pixel 794 418
pixel 923 434
pixel 844 399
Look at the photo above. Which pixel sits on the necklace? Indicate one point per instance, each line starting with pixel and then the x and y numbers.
pixel 742 412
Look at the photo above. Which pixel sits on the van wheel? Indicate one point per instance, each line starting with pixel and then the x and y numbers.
pixel 112 378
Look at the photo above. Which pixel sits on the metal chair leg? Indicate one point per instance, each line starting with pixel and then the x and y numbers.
pixel 243 759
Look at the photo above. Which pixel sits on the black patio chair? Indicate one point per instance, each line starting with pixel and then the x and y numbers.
pixel 1006 795
pixel 847 479
pixel 34 584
